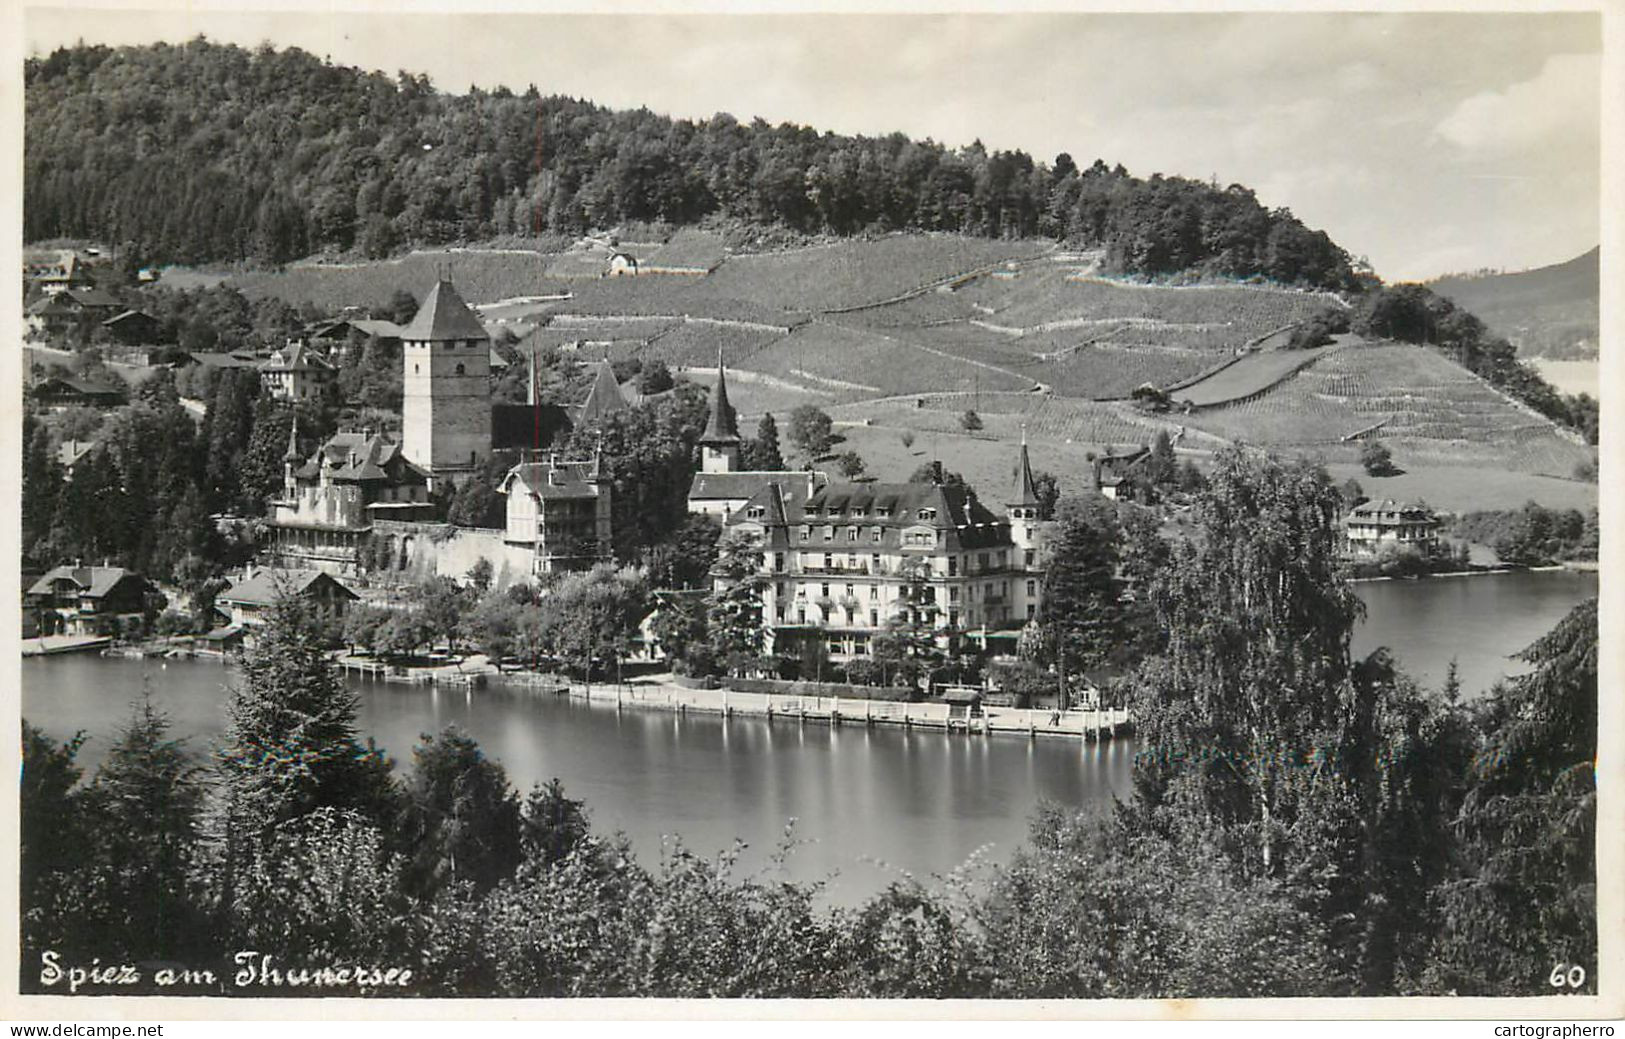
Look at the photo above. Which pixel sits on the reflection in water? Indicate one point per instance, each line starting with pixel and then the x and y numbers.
pixel 919 800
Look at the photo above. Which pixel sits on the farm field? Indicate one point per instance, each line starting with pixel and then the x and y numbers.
pixel 1468 488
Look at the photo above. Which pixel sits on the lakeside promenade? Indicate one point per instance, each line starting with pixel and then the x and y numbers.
pixel 663 693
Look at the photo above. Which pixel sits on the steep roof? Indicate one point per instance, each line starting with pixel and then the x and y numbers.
pixel 1024 493
pixel 93 581
pixel 797 486
pixel 358 456
pixel 443 315
pixel 296 357
pixel 954 510
pixel 213 359
pixel 268 586
pixel 1388 505
pixel 723 427
pixel 377 327
pixel 89 389
pixel 603 398
pixel 551 480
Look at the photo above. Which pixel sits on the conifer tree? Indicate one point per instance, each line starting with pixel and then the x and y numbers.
pixel 1081 618
pixel 290 747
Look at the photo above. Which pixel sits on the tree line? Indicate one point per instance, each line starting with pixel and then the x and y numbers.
pixel 209 152
pixel 1302 822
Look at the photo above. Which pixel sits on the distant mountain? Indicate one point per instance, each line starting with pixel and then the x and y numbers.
pixel 205 152
pixel 1546 312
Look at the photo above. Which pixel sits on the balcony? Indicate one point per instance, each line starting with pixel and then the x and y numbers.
pixel 834 569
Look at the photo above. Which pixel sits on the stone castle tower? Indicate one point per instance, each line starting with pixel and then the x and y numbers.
pixel 446 405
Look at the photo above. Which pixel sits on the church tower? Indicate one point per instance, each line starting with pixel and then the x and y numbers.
pixel 720 444
pixel 446 404
pixel 1022 509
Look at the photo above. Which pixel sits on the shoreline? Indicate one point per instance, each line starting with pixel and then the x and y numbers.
pixel 1573 567
pixel 1083 725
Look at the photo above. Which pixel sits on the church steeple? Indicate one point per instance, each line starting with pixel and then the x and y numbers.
pixel 1025 495
pixel 723 428
pixel 720 442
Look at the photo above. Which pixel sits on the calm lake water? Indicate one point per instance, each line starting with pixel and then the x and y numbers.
pixel 869 802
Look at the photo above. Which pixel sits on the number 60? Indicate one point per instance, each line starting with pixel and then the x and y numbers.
pixel 1574 977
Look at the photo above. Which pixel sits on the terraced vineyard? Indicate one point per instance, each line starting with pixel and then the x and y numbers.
pixel 1254 373
pixel 854 273
pixel 1428 409
pixel 908 331
pixel 696 343
pixel 1042 298
pixel 861 363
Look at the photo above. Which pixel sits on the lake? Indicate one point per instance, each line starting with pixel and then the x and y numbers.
pixel 869 802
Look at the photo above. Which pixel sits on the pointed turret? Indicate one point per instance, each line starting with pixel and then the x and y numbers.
pixel 723 428
pixel 292 456
pixel 719 446
pixel 1025 495
pixel 603 398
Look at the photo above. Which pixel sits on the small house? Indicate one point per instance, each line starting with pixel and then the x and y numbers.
pixel 1375 527
pixel 250 601
pixel 296 372
pixel 59 393
pixel 133 327
pixel 90 600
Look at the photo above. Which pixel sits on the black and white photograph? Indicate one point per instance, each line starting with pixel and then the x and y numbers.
pixel 704 505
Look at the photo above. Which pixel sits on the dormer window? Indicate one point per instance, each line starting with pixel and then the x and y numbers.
pixel 756 512
pixel 928 514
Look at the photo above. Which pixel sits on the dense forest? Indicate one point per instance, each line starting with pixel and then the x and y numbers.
pixel 205 152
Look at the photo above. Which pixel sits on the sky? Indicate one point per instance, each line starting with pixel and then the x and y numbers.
pixel 1428 142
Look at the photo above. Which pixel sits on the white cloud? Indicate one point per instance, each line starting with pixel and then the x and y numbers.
pixel 1560 103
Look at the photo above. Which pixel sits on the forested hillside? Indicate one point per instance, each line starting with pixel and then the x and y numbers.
pixel 206 152
pixel 1546 312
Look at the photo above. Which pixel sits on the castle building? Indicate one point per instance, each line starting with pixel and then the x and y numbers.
pixel 446 403
pixel 846 563
pixel 722 487
pixel 559 511
pixel 331 500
